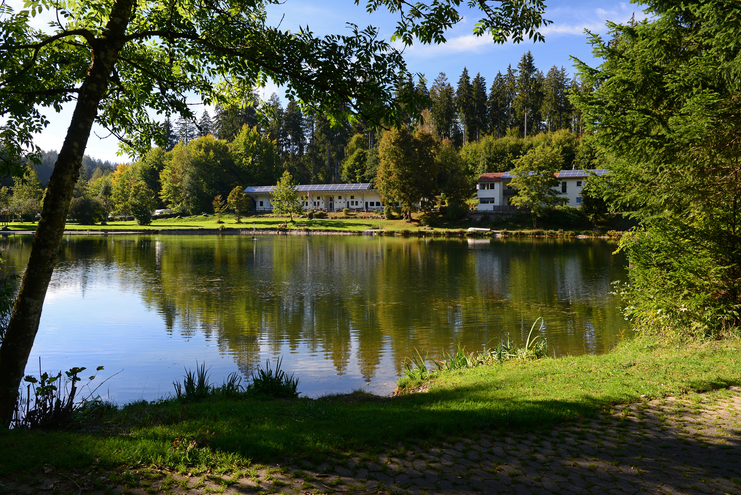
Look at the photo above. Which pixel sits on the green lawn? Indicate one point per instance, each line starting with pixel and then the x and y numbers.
pixel 354 223
pixel 223 435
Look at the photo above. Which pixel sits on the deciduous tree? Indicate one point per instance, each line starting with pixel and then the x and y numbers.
pixel 239 202
pixel 407 170
pixel 535 181
pixel 285 198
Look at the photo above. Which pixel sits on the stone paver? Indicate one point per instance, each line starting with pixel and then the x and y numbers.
pixel 664 446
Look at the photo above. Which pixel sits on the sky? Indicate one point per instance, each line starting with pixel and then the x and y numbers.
pixel 565 37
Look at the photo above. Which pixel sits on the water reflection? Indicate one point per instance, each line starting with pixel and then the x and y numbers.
pixel 344 311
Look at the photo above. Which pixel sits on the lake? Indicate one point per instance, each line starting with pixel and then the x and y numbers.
pixel 342 311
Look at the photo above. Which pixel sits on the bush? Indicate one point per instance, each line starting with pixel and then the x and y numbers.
pixel 87 211
pixel 388 212
pixel 320 214
pixel 310 215
pixel 346 212
pixel 456 211
pixel 428 220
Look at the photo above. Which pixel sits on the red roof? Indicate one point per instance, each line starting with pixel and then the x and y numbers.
pixel 491 177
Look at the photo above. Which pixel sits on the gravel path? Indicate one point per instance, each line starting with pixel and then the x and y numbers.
pixel 670 445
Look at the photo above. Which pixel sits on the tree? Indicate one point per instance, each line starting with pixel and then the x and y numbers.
pixel 479 109
pixel 665 104
pixel 535 180
pixel 142 203
pixel 121 184
pixel 220 207
pixel 205 124
pixel 407 170
pixel 255 157
pixel 27 195
pixel 210 171
pixel 172 176
pixel 169 138
pixel 119 59
pixel 187 130
pixel 239 202
pixel 455 186
pixel 87 211
pixel 285 198
pixel 497 106
pixel 464 105
pixel 354 166
pixel 442 96
pixel 528 100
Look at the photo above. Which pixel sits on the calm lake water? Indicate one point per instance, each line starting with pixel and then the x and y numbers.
pixel 343 312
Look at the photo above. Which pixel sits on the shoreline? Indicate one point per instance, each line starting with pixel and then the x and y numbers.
pixel 503 234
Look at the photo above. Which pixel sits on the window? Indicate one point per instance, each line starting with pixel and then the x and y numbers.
pixel 260 203
pixel 339 197
pixel 578 183
pixel 352 197
pixel 578 200
pixel 563 187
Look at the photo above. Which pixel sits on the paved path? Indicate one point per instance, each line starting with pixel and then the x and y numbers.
pixel 661 446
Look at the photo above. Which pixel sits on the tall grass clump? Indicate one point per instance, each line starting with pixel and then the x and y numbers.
pixel 273 383
pixel 536 347
pixel 196 385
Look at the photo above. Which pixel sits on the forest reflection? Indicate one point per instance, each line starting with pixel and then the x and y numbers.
pixel 348 305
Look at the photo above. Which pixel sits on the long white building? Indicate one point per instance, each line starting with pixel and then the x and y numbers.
pixel 326 197
pixel 494 191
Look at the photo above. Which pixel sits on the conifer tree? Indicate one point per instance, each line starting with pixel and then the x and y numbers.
pixel 464 104
pixel 442 97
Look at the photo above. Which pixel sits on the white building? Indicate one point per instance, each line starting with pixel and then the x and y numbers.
pixel 494 191
pixel 326 197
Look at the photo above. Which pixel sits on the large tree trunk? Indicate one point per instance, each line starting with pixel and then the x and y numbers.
pixel 24 322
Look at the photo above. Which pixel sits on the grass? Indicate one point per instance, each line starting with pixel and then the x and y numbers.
pixel 355 222
pixel 224 434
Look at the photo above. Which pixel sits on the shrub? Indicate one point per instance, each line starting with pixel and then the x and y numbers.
pixel 428 220
pixel 388 212
pixel 456 211
pixel 346 212
pixel 320 214
pixel 310 215
pixel 87 211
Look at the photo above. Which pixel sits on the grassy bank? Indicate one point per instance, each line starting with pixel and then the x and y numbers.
pixel 221 435
pixel 354 222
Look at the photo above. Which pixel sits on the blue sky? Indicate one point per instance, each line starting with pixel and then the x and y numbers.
pixel 564 37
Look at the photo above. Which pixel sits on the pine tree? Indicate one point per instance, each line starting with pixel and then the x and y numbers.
pixel 510 86
pixel 464 104
pixel 555 102
pixel 527 101
pixel 293 131
pixel 442 98
pixel 187 130
pixel 170 138
pixel 205 124
pixel 479 121
pixel 497 106
pixel 228 121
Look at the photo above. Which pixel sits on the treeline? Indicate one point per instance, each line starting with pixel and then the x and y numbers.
pixel 489 128
pixel 467 131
